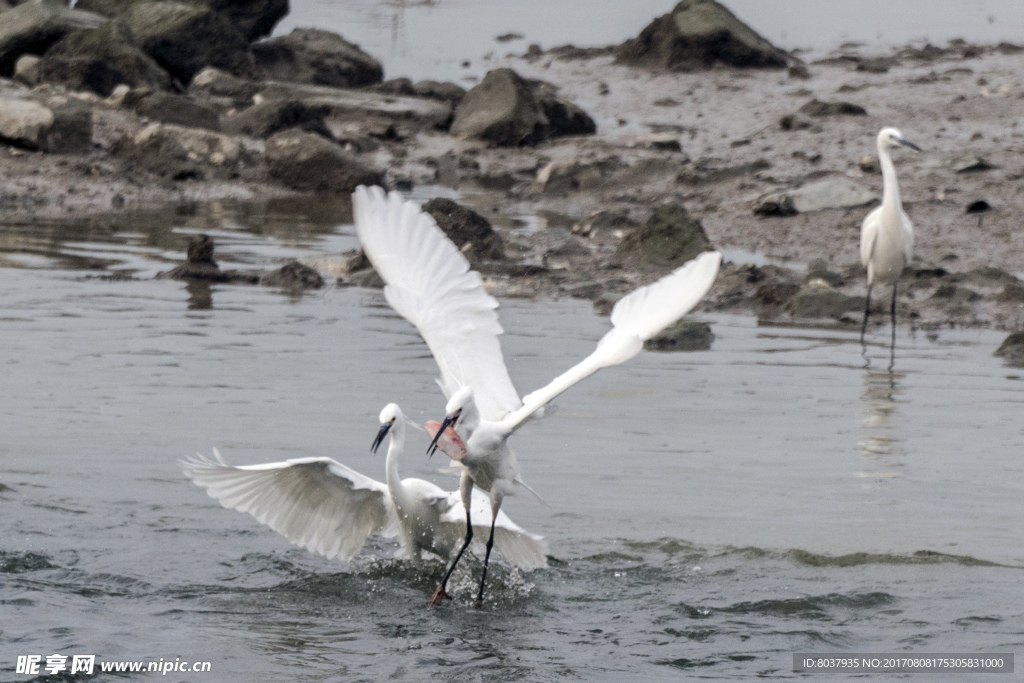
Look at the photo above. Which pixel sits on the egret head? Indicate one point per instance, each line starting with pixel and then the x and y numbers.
pixel 391 414
pixel 460 407
pixel 891 138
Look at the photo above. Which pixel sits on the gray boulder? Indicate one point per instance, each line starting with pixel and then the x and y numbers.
pixel 696 34
pixel 309 55
pixel 59 126
pixel 830 193
pixel 816 301
pixel 252 18
pixel 36 25
pixel 184 38
pixel 668 239
pixel 101 59
pixel 306 161
pixel 160 151
pixel 470 231
pixel 171 108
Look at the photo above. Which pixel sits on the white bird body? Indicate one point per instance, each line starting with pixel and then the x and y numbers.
pixel 429 282
pixel 887 234
pixel 330 509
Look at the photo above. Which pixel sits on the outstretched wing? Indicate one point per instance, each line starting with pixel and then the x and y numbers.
pixel 429 283
pixel 515 544
pixel 316 503
pixel 637 317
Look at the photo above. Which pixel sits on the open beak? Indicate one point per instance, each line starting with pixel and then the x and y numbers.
pixel 449 421
pixel 911 145
pixel 384 428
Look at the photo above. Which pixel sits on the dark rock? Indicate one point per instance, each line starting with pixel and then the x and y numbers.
pixel 1012 349
pixel 695 35
pixel 798 71
pixel 564 117
pixel 876 65
pixel 35 26
pixel 470 231
pixel 775 294
pixel 185 38
pixel 396 86
pixel 293 275
pixel 668 239
pixel 214 83
pixel 775 204
pixel 306 161
pixel 979 206
pixel 71 131
pixel 159 151
pixel 59 124
pixel 1013 293
pixel 444 91
pixel 253 18
pixel 795 122
pixel 171 108
pixel 956 293
pixel 823 302
pixel 869 164
pixel 969 163
pixel 308 55
pixel 269 117
pixel 501 109
pixel 101 59
pixel 685 335
pixel 819 108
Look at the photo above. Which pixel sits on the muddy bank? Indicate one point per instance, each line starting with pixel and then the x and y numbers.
pixel 571 155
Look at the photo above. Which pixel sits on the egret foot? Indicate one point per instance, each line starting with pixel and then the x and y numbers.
pixel 478 603
pixel 440 595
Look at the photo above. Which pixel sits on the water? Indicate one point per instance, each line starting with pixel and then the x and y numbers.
pixel 709 513
pixel 414 39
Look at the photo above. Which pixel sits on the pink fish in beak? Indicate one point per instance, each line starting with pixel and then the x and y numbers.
pixel 449 442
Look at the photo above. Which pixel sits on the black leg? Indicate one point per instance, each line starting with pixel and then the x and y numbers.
pixel 442 593
pixel 487 558
pixel 867 312
pixel 892 312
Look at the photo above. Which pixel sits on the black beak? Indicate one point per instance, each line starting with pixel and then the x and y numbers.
pixel 448 422
pixel 911 145
pixel 384 428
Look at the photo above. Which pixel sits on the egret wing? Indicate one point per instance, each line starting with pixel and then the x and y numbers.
pixel 316 503
pixel 429 283
pixel 515 544
pixel 869 235
pixel 636 318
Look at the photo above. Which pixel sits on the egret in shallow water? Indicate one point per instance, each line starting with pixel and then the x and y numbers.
pixel 330 509
pixel 428 282
pixel 886 235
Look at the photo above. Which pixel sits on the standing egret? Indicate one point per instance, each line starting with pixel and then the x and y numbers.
pixel 330 509
pixel 886 235
pixel 429 283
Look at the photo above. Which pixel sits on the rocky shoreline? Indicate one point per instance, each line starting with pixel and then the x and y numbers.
pixel 627 160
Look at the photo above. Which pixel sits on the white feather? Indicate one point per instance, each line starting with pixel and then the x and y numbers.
pixel 429 283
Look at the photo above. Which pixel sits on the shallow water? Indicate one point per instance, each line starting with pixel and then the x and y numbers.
pixel 710 513
pixel 436 39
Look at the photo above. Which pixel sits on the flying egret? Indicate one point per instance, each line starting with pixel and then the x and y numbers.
pixel 330 509
pixel 429 283
pixel 886 235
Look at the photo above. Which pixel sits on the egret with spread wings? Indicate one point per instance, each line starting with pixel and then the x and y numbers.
pixel 429 282
pixel 330 509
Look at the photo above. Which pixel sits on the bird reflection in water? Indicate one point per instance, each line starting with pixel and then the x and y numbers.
pixel 881 422
pixel 200 295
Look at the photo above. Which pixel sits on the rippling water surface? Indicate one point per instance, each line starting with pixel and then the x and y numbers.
pixel 709 513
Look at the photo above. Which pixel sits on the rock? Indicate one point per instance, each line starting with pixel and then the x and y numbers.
pixel 470 231
pixel 159 151
pixel 100 59
pixel 308 55
pixel 819 108
pixel 306 161
pixel 363 106
pixel 969 163
pixel 798 122
pixel 685 335
pixel 293 275
pixel 266 118
pixel 775 294
pixel 876 65
pixel 816 301
pixel 171 108
pixel 396 86
pixel 1012 293
pixel 26 70
pixel 561 177
pixel 444 91
pixel 214 83
pixel 252 18
pixel 184 38
pixel 798 70
pixel 869 164
pixel 818 271
pixel 695 35
pixel 978 206
pixel 956 293
pixel 1012 349
pixel 831 193
pixel 63 127
pixel 564 117
pixel 36 25
pixel 501 109
pixel 668 239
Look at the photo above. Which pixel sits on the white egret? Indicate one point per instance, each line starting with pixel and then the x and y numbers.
pixel 428 282
pixel 886 235
pixel 330 509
